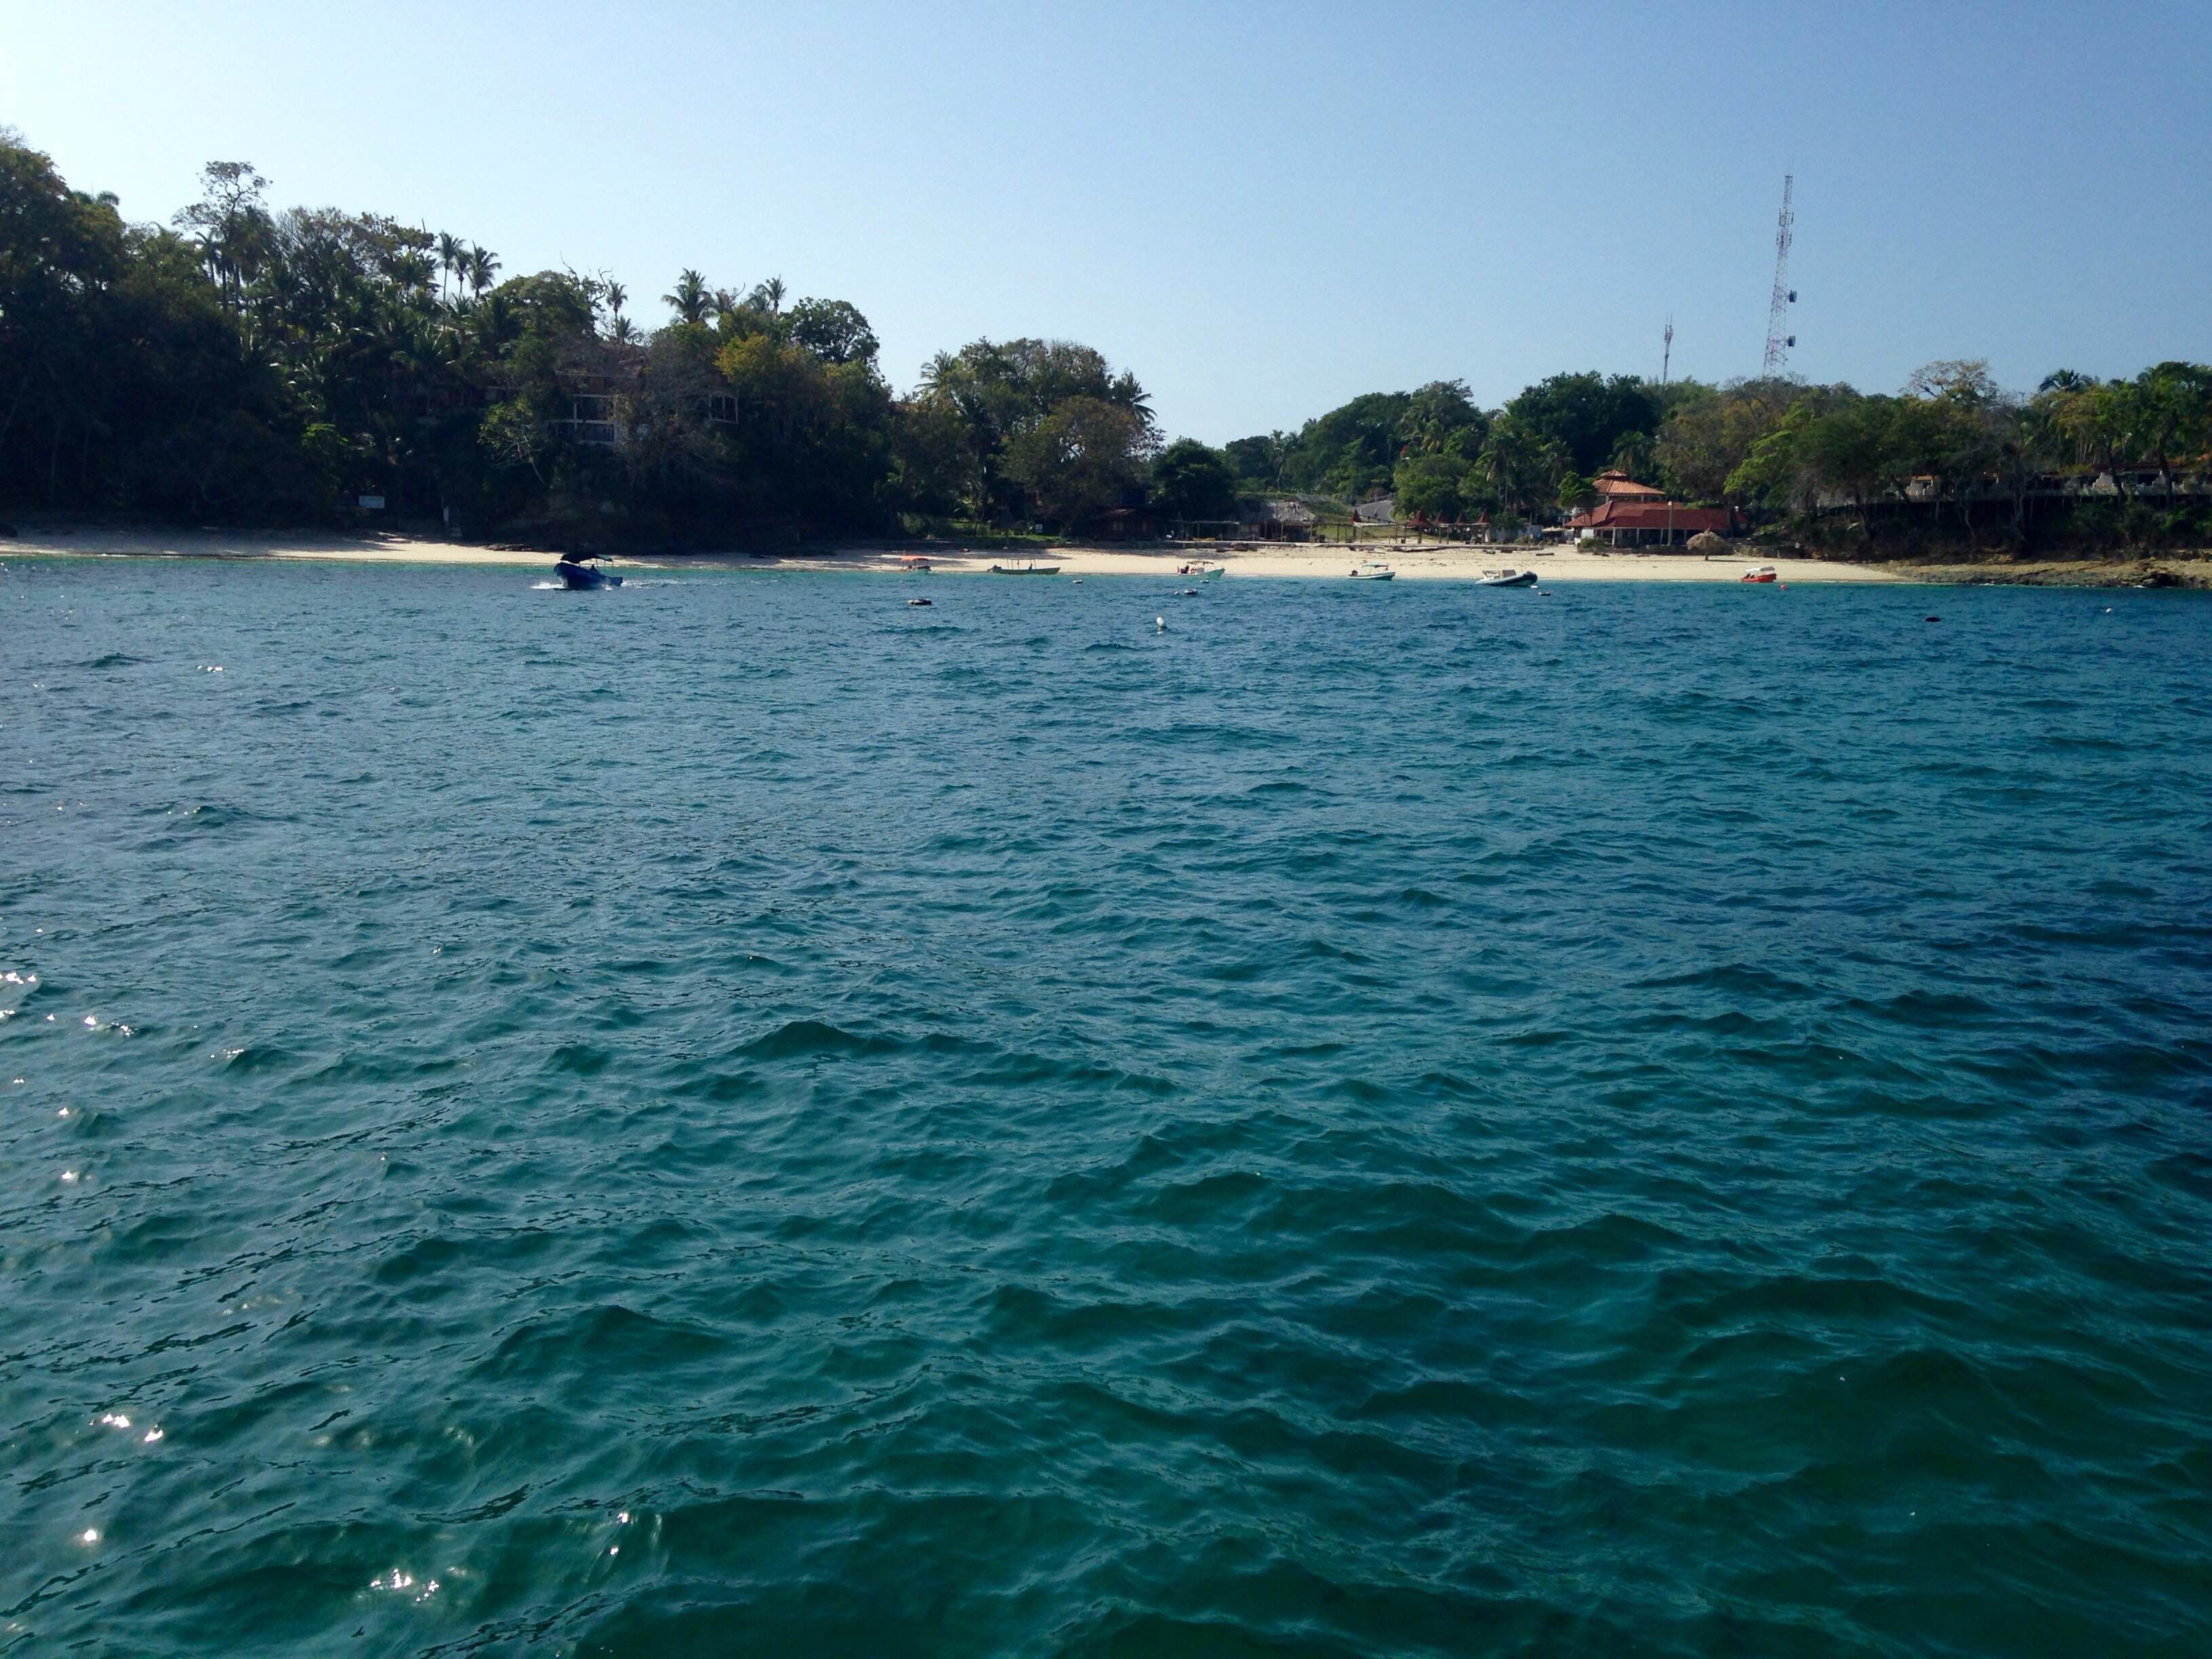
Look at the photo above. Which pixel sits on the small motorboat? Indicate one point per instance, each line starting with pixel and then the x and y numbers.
pixel 1204 569
pixel 582 573
pixel 1373 571
pixel 1508 577
pixel 918 601
pixel 1762 573
pixel 1030 568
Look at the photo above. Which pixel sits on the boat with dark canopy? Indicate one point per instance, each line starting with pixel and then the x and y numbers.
pixel 583 572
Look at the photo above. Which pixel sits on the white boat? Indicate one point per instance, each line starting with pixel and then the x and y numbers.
pixel 1204 570
pixel 1508 577
pixel 1373 570
pixel 1760 572
pixel 1032 569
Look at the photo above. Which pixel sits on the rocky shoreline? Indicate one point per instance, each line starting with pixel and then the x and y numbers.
pixel 2143 570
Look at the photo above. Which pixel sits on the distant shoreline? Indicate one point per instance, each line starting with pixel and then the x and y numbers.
pixel 1412 561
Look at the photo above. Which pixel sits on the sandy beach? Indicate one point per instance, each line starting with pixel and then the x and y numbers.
pixel 102 543
pixel 1434 561
pixel 1412 562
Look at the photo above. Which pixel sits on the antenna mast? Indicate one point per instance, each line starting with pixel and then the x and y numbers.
pixel 1666 353
pixel 1778 340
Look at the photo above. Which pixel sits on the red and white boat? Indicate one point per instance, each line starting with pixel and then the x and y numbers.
pixel 1762 573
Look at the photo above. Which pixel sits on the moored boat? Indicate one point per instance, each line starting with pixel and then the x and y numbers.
pixel 1761 573
pixel 1373 570
pixel 1508 577
pixel 1031 569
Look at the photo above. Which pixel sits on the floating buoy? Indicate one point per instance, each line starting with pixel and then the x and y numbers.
pixel 1931 619
pixel 917 601
pixel 1159 624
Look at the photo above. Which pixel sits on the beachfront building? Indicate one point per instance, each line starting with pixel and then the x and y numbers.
pixel 1123 524
pixel 1616 486
pixel 1279 520
pixel 1662 523
pixel 1275 520
pixel 1632 514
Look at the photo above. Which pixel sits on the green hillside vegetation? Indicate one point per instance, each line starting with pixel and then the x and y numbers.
pixel 248 365
pixel 1952 456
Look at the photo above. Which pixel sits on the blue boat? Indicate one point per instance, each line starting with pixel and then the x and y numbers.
pixel 582 573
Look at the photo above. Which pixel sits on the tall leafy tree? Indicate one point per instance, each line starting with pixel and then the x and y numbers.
pixel 1587 414
pixel 230 222
pixel 1194 480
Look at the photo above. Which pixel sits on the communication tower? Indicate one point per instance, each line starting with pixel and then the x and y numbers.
pixel 1778 339
pixel 1667 351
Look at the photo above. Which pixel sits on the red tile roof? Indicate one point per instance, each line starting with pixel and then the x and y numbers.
pixel 1652 515
pixel 1620 486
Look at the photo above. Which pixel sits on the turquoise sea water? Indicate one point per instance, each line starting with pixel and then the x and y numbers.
pixel 737 1116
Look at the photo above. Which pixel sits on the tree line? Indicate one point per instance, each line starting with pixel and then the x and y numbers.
pixel 248 364
pixel 1951 451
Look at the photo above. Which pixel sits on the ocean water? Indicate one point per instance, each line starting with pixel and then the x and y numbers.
pixel 737 1116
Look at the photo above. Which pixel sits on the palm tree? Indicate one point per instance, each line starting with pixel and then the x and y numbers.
pixel 481 265
pixel 1521 467
pixel 1125 394
pixel 690 297
pixel 769 295
pixel 615 295
pixel 452 259
pixel 494 319
pixel 413 270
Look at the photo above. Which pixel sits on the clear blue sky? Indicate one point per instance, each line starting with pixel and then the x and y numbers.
pixel 1262 209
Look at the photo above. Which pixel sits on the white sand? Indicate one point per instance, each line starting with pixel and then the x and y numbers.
pixel 1412 562
pixel 254 544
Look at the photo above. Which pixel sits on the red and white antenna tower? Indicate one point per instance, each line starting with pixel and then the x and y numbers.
pixel 1779 339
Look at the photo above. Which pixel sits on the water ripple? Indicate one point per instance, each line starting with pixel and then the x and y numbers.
pixel 1411 1122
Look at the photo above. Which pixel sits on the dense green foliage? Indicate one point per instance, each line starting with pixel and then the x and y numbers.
pixel 1192 481
pixel 246 364
pixel 1951 451
pixel 1033 424
pixel 255 365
